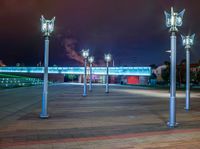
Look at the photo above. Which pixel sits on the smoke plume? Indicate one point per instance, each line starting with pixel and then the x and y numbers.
pixel 2 64
pixel 70 45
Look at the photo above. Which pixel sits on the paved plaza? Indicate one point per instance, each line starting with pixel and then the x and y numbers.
pixel 126 118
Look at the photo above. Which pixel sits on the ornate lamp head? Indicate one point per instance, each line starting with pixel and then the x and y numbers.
pixel 91 59
pixel 188 41
pixel 174 19
pixel 85 53
pixel 47 26
pixel 107 57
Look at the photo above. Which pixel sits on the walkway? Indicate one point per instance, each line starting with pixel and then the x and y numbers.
pixel 125 118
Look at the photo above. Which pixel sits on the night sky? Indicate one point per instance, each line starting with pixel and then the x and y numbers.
pixel 133 31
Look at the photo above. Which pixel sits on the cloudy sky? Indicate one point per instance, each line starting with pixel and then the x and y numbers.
pixel 133 31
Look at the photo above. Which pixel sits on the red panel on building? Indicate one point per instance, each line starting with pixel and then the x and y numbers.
pixel 133 80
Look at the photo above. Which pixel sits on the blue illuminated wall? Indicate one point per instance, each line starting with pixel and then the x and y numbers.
pixel 133 71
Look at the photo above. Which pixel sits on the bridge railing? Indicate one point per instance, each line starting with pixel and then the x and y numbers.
pixel 133 71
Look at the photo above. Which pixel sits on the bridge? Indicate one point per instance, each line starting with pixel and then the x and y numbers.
pixel 132 71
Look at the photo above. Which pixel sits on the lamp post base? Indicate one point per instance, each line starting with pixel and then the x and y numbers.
pixel 172 125
pixel 84 95
pixel 44 116
pixel 187 109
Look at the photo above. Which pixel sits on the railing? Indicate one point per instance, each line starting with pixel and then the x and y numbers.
pixel 133 71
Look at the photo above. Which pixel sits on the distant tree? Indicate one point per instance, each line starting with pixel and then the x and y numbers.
pixel 166 72
pixel 183 61
pixel 198 77
pixel 195 77
pixel 71 77
pixel 180 73
pixel 153 66
pixel 197 74
pixel 199 62
pixel 153 79
pixel 153 76
pixel 167 63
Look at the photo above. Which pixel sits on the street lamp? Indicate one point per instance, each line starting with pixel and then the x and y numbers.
pixel 85 54
pixel 173 20
pixel 47 27
pixel 187 41
pixel 107 58
pixel 91 60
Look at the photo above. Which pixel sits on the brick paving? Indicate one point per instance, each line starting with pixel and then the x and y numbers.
pixel 127 117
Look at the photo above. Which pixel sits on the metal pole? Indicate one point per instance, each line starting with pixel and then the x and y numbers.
pixel 187 102
pixel 90 87
pixel 172 113
pixel 45 83
pixel 85 85
pixel 107 85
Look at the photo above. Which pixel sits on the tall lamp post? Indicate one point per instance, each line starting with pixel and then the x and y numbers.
pixel 47 27
pixel 172 21
pixel 187 41
pixel 91 60
pixel 107 58
pixel 85 54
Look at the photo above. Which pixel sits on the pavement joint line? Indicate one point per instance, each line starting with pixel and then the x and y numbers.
pixel 101 138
